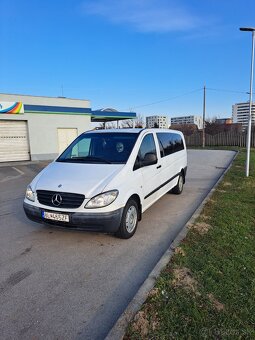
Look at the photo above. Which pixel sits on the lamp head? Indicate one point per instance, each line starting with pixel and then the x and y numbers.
pixel 247 29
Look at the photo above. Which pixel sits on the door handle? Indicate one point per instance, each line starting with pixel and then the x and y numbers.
pixel 159 166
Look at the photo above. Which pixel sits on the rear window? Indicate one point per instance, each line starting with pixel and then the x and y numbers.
pixel 169 143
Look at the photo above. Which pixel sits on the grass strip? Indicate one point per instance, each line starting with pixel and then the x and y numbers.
pixel 207 291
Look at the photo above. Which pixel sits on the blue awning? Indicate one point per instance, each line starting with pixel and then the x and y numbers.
pixel 105 115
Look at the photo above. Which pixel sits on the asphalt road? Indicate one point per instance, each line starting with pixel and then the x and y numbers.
pixel 62 284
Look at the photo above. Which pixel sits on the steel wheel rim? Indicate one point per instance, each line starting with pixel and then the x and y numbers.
pixel 131 219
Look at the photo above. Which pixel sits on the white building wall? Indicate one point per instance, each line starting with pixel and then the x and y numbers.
pixel 43 127
pixel 43 131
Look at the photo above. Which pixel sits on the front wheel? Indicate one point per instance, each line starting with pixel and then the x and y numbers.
pixel 179 187
pixel 129 220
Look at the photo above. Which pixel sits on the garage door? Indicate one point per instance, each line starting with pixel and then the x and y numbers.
pixel 14 144
pixel 65 137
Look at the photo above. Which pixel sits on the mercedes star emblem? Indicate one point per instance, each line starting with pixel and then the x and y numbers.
pixel 56 200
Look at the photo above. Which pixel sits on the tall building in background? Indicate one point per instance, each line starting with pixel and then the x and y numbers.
pixel 157 121
pixel 198 120
pixel 240 113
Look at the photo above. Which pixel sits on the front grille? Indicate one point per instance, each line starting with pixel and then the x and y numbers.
pixel 66 199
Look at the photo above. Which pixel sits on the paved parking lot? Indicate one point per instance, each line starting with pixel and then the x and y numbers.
pixel 64 284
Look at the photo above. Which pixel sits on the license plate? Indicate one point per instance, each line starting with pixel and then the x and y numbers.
pixel 55 216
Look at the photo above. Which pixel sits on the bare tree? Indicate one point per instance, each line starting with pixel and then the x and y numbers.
pixel 110 125
pixel 101 126
pixel 186 129
pixel 213 128
pixel 107 125
pixel 138 122
pixel 128 123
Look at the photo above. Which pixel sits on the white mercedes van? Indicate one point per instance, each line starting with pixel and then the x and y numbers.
pixel 106 179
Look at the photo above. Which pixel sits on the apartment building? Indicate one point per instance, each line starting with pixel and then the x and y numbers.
pixel 198 120
pixel 161 122
pixel 240 113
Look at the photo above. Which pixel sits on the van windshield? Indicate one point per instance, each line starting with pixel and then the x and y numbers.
pixel 103 147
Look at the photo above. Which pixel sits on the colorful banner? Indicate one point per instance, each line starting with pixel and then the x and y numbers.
pixel 11 107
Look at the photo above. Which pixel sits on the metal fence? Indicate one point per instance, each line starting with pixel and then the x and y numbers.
pixel 221 139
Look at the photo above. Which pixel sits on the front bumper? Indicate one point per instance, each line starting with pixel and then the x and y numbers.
pixel 108 222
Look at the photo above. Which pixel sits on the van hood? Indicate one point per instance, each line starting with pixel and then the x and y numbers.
pixel 86 179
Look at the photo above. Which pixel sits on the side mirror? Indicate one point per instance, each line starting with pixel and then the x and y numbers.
pixel 149 159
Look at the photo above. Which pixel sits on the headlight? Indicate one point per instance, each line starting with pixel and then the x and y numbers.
pixel 102 200
pixel 30 195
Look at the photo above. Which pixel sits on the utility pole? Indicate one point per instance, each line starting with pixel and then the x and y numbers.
pixel 203 142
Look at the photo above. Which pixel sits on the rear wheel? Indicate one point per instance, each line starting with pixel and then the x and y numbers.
pixel 177 190
pixel 129 220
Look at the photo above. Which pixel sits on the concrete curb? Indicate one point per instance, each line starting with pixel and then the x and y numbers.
pixel 119 329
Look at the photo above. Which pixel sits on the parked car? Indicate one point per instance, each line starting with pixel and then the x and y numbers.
pixel 106 179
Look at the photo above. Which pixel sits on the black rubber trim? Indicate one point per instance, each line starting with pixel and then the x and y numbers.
pixel 162 185
pixel 141 131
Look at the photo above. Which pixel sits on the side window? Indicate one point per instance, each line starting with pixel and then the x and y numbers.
pixel 171 142
pixel 147 147
pixel 172 137
pixel 178 142
pixel 167 143
pixel 162 153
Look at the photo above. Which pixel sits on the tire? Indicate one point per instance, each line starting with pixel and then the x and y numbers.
pixel 177 190
pixel 129 220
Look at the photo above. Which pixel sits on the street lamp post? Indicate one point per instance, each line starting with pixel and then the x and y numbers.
pixel 203 136
pixel 248 143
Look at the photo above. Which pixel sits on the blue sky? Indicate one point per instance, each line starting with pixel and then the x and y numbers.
pixel 128 53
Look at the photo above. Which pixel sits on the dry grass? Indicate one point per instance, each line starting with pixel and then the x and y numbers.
pixel 226 184
pixel 216 304
pixel 141 324
pixel 201 227
pixel 154 292
pixel 183 279
pixel 179 251
pixel 205 217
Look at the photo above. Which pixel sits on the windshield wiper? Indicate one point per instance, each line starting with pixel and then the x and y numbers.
pixel 93 158
pixel 87 158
